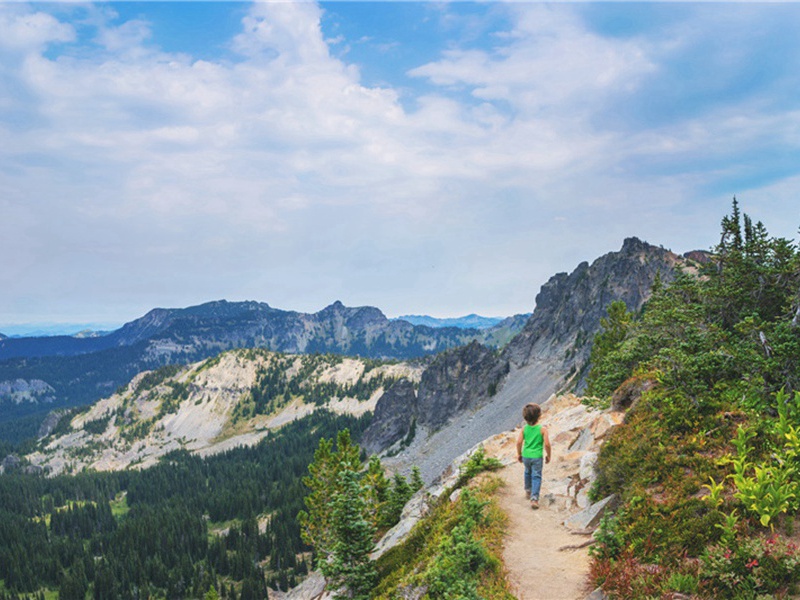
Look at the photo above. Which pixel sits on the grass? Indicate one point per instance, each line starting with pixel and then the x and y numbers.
pixel 119 506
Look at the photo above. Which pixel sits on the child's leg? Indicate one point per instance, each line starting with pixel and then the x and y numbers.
pixel 527 476
pixel 536 477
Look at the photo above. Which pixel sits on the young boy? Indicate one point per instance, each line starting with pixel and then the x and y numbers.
pixel 533 445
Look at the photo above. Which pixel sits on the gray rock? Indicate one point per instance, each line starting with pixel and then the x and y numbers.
pixel 597 594
pixel 590 517
pixel 10 463
pixel 584 441
pixel 458 380
pixel 415 509
pixel 393 418
pixel 588 462
pixel 312 588
pixel 50 422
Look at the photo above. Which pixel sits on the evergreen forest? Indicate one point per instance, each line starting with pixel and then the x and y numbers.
pixel 224 525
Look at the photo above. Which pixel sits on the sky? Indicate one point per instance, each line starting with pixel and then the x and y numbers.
pixel 424 158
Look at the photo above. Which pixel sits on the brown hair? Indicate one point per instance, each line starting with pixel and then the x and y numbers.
pixel 531 413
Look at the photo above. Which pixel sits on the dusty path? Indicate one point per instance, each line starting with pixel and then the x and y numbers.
pixel 537 570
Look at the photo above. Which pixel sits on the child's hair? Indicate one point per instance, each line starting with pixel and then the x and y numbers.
pixel 531 413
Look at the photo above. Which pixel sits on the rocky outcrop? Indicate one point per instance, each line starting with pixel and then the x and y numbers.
pixel 14 464
pixel 50 422
pixel 456 381
pixel 21 390
pixel 395 415
pixel 569 306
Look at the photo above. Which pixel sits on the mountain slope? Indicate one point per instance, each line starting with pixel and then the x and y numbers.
pixel 234 399
pixel 550 354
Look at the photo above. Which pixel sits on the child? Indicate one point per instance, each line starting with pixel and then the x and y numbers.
pixel 533 444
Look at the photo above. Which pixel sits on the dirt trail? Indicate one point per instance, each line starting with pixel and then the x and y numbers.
pixel 537 570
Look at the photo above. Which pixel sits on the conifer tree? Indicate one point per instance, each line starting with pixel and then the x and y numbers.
pixel 323 481
pixel 416 479
pixel 376 489
pixel 350 565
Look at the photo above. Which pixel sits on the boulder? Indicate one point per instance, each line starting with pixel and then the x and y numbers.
pixel 590 517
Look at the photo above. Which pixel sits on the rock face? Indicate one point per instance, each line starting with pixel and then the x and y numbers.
pixel 569 306
pixel 393 418
pixel 50 422
pixel 456 381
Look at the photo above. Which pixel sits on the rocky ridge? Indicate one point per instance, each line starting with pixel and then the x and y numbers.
pixel 549 355
pixel 200 409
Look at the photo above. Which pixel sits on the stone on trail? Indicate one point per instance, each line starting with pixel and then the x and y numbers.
pixel 590 516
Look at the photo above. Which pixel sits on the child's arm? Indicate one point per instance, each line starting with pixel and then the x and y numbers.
pixel 519 444
pixel 546 445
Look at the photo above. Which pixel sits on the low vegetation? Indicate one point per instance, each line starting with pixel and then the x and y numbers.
pixel 455 551
pixel 707 462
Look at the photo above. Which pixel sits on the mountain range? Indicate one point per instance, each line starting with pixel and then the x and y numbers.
pixel 451 402
pixel 39 374
pixel 471 321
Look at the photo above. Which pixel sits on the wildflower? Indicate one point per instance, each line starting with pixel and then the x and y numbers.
pixel 752 563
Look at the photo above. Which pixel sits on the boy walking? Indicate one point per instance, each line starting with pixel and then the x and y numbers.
pixel 533 448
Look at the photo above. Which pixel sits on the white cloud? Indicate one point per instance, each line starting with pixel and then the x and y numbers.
pixel 23 30
pixel 279 175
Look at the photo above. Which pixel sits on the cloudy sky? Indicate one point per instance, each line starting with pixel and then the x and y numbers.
pixel 437 158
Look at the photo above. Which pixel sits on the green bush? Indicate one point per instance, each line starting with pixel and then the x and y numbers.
pixel 750 567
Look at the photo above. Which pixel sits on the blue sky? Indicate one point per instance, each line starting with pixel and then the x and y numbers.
pixel 429 158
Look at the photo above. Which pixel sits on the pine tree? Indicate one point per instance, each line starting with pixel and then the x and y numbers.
pixel 416 479
pixel 376 487
pixel 323 480
pixel 353 541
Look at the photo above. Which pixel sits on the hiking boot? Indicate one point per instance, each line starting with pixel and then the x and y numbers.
pixel 534 504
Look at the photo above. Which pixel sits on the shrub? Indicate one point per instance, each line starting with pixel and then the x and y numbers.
pixel 749 567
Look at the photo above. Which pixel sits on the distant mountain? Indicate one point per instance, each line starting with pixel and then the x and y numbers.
pixel 57 329
pixel 79 370
pixel 472 321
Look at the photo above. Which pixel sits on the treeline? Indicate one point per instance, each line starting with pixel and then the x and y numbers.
pixel 276 385
pixel 707 464
pixel 177 530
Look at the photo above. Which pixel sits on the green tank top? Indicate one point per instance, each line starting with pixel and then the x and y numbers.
pixel 533 441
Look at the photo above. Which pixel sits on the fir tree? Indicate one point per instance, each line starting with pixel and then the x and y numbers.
pixel 350 566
